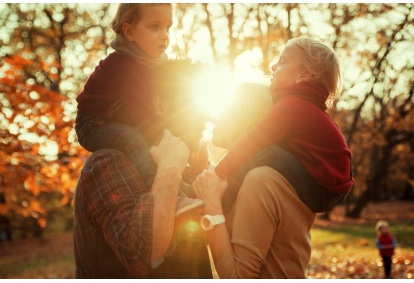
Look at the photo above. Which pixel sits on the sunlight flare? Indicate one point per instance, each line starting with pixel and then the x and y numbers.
pixel 214 90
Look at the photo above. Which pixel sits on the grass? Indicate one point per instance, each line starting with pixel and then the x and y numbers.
pixel 45 267
pixel 349 251
pixel 340 250
pixel 352 234
pixel 48 257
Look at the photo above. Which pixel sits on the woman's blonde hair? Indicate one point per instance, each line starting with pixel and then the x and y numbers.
pixel 322 63
pixel 130 13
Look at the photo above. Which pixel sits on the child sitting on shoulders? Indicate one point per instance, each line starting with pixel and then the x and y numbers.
pixel 297 137
pixel 115 104
pixel 115 108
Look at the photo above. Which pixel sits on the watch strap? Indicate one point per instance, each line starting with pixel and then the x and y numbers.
pixel 218 219
pixel 213 221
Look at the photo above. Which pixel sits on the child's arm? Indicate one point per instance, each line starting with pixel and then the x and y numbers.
pixel 378 244
pixel 381 246
pixel 272 128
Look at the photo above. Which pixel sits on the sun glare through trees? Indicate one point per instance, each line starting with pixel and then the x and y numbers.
pixel 48 50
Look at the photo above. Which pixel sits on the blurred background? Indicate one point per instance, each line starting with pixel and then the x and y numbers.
pixel 47 51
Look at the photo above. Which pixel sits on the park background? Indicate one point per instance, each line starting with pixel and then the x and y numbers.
pixel 47 51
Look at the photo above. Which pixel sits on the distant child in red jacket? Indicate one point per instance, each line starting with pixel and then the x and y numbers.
pixel 386 244
pixel 297 137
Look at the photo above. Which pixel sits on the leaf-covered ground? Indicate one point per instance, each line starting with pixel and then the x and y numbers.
pixel 357 258
pixel 345 248
pixel 342 248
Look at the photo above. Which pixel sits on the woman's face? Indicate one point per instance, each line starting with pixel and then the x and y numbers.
pixel 289 69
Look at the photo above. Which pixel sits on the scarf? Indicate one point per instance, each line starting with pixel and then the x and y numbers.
pixel 124 46
pixel 312 92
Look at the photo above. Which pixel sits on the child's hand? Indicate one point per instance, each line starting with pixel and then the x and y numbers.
pixel 210 188
pixel 171 153
pixel 197 162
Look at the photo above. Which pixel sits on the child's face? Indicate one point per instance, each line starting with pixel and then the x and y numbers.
pixel 151 32
pixel 289 69
pixel 384 229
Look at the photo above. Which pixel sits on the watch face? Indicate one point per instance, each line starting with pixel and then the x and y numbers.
pixel 205 223
pixel 208 222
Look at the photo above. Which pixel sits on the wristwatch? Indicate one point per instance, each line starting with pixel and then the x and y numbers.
pixel 208 222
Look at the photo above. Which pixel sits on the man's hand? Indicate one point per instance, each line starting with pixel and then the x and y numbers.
pixel 171 157
pixel 171 153
pixel 210 188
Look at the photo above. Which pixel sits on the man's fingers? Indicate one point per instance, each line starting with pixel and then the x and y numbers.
pixel 167 133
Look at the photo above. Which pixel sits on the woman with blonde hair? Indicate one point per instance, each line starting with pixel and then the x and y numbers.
pixel 293 163
pixel 297 137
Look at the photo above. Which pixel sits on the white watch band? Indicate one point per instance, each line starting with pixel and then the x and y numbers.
pixel 208 222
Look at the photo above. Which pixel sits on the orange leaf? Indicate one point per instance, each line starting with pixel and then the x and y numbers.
pixel 49 171
pixel 4 158
pixel 64 200
pixel 42 222
pixel 36 206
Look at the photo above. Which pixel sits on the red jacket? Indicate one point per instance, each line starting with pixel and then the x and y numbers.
pixel 118 76
pixel 385 240
pixel 299 124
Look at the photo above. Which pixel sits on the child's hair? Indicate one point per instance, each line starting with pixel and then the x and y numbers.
pixel 130 13
pixel 380 224
pixel 322 63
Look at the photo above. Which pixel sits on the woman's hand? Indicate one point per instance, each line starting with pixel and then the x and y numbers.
pixel 210 188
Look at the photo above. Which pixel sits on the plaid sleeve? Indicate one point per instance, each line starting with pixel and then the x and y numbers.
pixel 118 202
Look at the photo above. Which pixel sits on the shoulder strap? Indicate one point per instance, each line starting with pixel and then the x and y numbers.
pixel 110 112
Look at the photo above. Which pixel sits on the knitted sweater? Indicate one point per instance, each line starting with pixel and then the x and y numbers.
pixel 386 240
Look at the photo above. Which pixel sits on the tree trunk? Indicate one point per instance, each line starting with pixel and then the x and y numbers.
pixel 361 203
pixel 375 182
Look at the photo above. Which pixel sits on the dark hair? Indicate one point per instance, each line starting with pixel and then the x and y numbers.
pixel 174 80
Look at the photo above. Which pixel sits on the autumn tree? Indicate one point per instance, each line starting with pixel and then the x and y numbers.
pixel 381 95
pixel 374 43
pixel 48 53
pixel 229 29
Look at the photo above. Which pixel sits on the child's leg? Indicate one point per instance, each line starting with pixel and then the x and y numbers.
pixel 386 260
pixel 315 197
pixel 84 126
pixel 94 134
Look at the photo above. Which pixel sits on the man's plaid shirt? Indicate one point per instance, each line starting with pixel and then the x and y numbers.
pixel 113 219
